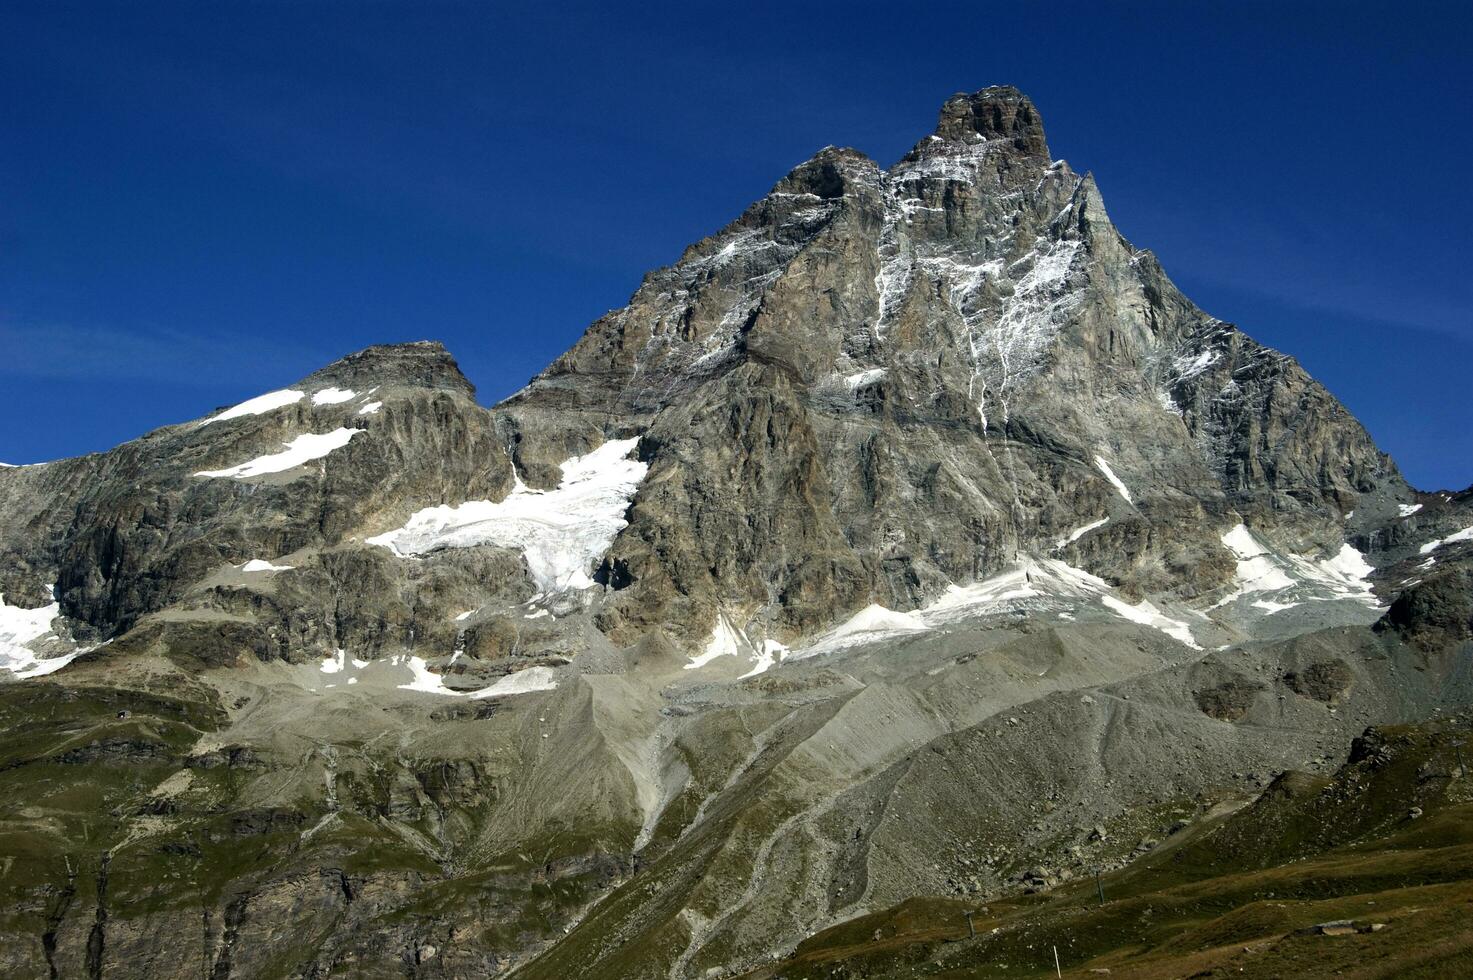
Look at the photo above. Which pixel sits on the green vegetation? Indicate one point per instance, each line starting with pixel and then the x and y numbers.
pixel 1387 840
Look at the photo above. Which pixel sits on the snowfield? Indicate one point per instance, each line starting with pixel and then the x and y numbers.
pixel 561 533
pixel 725 642
pixel 19 627
pixel 1260 572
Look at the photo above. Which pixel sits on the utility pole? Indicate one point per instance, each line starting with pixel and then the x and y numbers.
pixel 971 929
pixel 1099 887
pixel 1057 972
pixel 1458 748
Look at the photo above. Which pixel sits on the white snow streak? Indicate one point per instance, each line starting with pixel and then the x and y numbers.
pixel 259 405
pixel 1080 532
pixel 872 623
pixel 1466 534
pixel 1026 585
pixel 859 380
pixel 1189 367
pixel 1148 615
pixel 1257 571
pixel 1114 480
pixel 1271 607
pixel 426 681
pixel 1028 579
pixel 772 653
pixel 302 449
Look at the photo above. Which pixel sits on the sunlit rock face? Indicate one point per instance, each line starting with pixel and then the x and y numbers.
pixel 876 384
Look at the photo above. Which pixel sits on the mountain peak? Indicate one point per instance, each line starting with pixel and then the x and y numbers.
pixel 418 364
pixel 829 173
pixel 994 113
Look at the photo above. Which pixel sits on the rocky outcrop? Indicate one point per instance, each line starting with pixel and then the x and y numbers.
pixel 127 533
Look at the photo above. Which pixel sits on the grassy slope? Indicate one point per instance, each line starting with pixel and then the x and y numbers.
pixel 1226 899
pixel 81 803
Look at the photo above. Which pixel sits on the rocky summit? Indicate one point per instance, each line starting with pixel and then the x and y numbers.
pixel 911 538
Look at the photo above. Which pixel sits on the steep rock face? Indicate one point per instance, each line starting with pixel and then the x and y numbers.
pixel 913 374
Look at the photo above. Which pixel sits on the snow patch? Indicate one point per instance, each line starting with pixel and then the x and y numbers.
pixel 333 396
pixel 1407 510
pixel 1187 366
pixel 1257 571
pixel 1271 607
pixel 1045 579
pixel 561 533
pixel 20 627
pixel 862 378
pixel 1146 614
pixel 1029 579
pixel 872 623
pixel 772 653
pixel 424 679
pixel 521 682
pixel 1114 480
pixel 1466 534
pixel 725 642
pixel 259 405
pixel 302 449
pixel 260 565
pixel 1080 532
pixel 371 408
pixel 1348 568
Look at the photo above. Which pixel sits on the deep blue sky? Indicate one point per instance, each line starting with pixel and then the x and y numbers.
pixel 203 201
